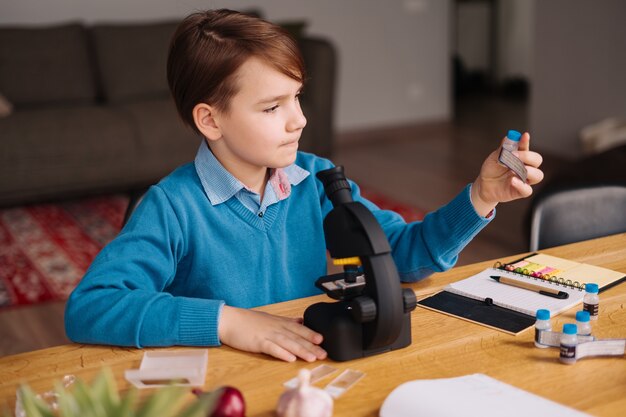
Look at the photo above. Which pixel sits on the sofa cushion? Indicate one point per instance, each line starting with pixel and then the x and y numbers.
pixel 47 152
pixel 132 59
pixel 163 141
pixel 45 65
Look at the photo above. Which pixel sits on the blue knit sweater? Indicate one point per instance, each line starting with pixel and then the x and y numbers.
pixel 165 278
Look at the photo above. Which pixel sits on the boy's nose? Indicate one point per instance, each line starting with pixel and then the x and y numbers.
pixel 297 121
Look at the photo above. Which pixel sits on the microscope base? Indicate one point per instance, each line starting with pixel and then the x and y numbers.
pixel 343 336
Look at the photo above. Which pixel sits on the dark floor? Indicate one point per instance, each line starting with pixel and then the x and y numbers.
pixel 425 165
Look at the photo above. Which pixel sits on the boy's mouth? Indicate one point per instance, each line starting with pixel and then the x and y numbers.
pixel 290 143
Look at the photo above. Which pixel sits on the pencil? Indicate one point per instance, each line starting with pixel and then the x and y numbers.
pixel 550 292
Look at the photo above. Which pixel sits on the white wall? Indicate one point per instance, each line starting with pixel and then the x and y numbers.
pixel 393 55
pixel 579 70
pixel 473 34
pixel 512 40
pixel 515 39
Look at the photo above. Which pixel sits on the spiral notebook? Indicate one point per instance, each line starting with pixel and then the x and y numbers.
pixel 482 300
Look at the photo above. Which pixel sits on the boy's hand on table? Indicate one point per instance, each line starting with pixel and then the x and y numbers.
pixel 497 184
pixel 281 337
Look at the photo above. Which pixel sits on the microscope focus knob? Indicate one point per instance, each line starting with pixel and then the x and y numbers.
pixel 409 299
pixel 363 309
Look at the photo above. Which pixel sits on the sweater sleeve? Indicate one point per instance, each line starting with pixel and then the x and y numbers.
pixel 420 248
pixel 122 299
pixel 433 245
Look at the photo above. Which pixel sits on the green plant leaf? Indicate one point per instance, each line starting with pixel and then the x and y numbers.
pixel 104 390
pixel 164 402
pixel 68 406
pixel 200 407
pixel 33 405
pixel 102 399
pixel 127 404
pixel 88 405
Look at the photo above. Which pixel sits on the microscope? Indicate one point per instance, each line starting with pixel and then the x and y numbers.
pixel 373 312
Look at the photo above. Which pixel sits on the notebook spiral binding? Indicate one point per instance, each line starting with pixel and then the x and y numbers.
pixel 540 277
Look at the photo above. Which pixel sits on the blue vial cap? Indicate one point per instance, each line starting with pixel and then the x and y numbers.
pixel 514 135
pixel 592 288
pixel 582 316
pixel 543 314
pixel 570 328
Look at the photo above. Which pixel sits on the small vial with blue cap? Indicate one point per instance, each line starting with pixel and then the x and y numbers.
pixel 511 142
pixel 542 325
pixel 591 300
pixel 568 343
pixel 508 159
pixel 583 324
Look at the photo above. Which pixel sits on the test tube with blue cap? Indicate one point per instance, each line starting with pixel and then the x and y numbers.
pixel 511 142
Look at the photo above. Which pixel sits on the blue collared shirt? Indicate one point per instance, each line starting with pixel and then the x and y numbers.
pixel 220 185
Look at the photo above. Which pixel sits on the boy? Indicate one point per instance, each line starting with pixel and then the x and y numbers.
pixel 241 226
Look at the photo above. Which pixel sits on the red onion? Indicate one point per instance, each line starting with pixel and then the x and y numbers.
pixel 226 402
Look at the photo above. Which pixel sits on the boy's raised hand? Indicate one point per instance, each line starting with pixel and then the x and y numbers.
pixel 497 184
pixel 281 337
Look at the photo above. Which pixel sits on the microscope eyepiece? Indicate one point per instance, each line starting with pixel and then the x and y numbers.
pixel 336 185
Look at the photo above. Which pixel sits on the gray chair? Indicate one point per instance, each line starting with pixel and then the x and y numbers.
pixel 575 214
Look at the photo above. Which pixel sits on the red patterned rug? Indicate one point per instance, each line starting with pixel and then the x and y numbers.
pixel 45 249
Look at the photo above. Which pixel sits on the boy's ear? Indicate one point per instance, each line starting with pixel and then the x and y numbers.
pixel 204 118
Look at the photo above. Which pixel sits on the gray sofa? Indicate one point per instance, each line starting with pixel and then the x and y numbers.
pixel 92 112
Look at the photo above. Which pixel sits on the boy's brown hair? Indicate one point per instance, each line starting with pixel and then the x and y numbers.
pixel 208 48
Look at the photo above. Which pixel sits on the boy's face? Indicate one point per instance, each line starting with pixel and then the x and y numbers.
pixel 264 122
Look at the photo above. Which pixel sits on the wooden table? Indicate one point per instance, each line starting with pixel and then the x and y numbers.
pixel 442 347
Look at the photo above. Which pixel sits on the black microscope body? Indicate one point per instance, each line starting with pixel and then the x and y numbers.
pixel 373 312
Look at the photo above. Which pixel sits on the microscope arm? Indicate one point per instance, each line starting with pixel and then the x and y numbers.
pixel 382 283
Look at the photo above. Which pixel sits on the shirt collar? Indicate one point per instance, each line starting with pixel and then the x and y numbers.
pixel 220 185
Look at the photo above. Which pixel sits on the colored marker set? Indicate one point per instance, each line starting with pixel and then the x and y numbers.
pixel 532 269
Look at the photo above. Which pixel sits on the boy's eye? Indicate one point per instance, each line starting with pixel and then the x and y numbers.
pixel 271 109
